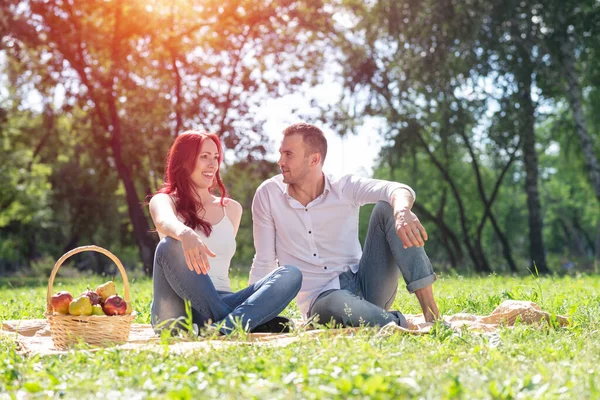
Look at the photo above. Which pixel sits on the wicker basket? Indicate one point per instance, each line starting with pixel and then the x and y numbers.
pixel 95 330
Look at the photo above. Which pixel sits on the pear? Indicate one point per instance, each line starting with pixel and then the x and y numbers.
pixel 81 306
pixel 97 310
pixel 106 290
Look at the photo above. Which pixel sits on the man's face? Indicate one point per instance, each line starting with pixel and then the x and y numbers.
pixel 293 159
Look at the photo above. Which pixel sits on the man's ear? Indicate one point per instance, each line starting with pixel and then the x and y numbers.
pixel 315 159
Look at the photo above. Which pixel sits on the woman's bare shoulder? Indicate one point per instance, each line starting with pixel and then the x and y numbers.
pixel 162 200
pixel 163 197
pixel 233 205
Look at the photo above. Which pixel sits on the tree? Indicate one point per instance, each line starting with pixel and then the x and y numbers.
pixel 143 73
pixel 409 65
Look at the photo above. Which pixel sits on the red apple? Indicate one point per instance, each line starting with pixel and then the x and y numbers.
pixel 60 302
pixel 115 305
pixel 94 297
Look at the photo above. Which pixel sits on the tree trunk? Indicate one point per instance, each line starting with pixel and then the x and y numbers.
pixel 141 229
pixel 506 249
pixel 487 204
pixel 536 242
pixel 566 58
pixel 449 239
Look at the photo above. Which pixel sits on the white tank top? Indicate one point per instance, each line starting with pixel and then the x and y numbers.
pixel 221 242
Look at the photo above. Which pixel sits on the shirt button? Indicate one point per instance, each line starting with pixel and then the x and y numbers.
pixel 309 231
pixel 324 267
pixel 306 209
pixel 314 255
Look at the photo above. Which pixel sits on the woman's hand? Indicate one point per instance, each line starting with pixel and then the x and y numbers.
pixel 196 252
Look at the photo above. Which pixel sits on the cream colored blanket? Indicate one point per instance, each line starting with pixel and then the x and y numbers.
pixel 33 336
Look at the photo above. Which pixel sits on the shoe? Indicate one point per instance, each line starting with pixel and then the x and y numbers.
pixel 278 324
pixel 400 318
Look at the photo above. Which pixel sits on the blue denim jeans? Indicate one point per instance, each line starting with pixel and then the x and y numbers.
pixel 174 283
pixel 365 297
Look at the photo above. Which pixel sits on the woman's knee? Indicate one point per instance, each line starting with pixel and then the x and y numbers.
pixel 169 248
pixel 293 274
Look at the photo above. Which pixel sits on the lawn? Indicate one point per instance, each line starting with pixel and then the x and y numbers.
pixel 524 362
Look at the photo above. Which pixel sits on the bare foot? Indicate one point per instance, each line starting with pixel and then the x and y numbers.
pixel 428 304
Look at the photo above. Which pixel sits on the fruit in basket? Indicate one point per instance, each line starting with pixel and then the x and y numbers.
pixel 60 302
pixel 81 306
pixel 97 310
pixel 94 297
pixel 115 305
pixel 106 290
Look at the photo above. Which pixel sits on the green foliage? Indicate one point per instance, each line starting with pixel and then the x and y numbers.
pixel 118 81
pixel 524 362
pixel 448 87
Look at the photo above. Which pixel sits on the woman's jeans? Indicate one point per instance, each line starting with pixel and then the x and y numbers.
pixel 174 283
pixel 365 297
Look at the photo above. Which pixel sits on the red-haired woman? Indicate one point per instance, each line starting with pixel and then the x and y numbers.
pixel 197 230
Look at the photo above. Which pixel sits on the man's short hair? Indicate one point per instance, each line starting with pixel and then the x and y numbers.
pixel 312 136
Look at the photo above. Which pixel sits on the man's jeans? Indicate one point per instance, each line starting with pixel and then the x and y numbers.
pixel 365 297
pixel 173 282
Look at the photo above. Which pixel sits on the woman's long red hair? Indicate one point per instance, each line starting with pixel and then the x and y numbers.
pixel 180 164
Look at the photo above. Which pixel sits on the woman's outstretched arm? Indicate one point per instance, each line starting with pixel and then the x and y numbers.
pixel 162 210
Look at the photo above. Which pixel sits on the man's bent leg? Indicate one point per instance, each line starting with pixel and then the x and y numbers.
pixel 346 307
pixel 384 256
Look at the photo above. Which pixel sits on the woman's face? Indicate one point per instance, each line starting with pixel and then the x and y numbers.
pixel 207 165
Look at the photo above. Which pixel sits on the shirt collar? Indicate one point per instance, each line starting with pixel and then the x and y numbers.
pixel 326 189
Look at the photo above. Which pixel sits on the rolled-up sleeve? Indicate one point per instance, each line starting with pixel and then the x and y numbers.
pixel 263 229
pixel 361 191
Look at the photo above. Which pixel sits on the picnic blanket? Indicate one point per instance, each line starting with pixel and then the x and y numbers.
pixel 33 336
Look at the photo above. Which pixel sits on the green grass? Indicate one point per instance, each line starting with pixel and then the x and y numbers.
pixel 524 362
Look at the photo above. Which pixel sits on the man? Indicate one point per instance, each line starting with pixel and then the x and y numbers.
pixel 309 219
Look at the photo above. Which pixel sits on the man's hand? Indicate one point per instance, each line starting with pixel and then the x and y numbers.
pixel 196 252
pixel 409 228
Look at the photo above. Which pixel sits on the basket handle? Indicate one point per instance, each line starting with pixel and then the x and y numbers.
pixel 80 250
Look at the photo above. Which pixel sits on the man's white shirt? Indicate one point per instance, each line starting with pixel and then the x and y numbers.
pixel 320 239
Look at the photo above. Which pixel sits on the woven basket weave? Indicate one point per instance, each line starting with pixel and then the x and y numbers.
pixel 95 330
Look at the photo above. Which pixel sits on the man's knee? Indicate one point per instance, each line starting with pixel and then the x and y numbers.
pixel 382 211
pixel 383 207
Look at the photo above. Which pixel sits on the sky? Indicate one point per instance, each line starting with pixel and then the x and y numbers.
pixel 355 154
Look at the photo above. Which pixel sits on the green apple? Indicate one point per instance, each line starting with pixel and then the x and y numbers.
pixel 81 306
pixel 106 290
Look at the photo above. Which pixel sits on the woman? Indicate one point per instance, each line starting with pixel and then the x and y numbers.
pixel 197 230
